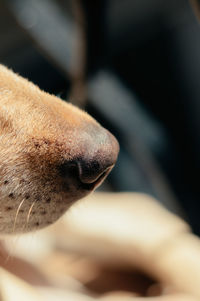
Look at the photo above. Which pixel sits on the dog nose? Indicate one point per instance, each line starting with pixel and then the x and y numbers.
pixel 97 156
pixel 98 160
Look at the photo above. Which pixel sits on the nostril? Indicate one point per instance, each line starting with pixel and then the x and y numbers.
pixel 92 172
pixel 85 172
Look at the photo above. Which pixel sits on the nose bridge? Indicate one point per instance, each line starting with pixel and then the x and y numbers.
pixel 99 144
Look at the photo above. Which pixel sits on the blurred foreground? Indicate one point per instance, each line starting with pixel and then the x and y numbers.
pixel 107 247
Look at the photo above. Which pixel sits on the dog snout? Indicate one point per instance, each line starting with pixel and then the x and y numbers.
pixel 52 154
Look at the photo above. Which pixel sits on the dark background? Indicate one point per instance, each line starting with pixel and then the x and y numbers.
pixel 135 66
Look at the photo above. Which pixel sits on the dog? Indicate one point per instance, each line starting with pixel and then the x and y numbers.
pixel 51 155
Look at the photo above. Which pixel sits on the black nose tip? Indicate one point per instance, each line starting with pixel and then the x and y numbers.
pixel 96 158
pixel 96 165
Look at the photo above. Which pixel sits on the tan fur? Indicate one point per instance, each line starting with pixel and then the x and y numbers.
pixel 38 132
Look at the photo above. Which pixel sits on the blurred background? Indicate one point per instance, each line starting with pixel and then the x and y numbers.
pixel 134 65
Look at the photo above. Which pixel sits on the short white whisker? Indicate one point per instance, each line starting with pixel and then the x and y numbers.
pixel 29 214
pixel 15 221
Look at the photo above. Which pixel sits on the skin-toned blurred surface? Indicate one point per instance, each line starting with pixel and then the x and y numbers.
pixel 108 247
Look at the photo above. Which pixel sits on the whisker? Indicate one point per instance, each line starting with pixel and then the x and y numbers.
pixel 20 205
pixel 29 214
